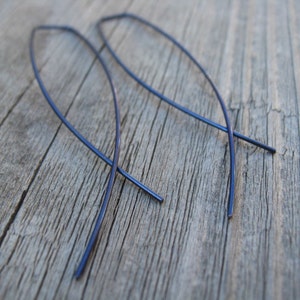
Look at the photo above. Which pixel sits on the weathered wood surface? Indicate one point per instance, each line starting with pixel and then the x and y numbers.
pixel 51 185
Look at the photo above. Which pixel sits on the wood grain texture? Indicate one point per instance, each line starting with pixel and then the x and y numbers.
pixel 51 185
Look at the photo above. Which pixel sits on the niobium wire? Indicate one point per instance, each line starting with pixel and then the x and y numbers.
pixel 169 101
pixel 114 165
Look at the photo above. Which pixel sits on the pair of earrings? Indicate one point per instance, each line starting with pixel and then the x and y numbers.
pixel 114 163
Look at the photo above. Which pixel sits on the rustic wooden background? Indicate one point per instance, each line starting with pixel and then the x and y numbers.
pixel 51 185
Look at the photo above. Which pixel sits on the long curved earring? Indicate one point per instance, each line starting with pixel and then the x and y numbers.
pixel 114 162
pixel 227 129
pixel 164 98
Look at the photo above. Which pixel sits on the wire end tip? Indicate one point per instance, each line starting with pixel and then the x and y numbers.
pixel 77 274
pixel 230 213
pixel 76 277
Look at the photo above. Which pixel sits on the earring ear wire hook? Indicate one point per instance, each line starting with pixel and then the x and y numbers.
pixel 228 127
pixel 114 162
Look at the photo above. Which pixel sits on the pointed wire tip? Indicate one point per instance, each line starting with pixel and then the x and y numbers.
pixel 160 200
pixel 230 210
pixel 78 273
pixel 270 149
pixel 76 276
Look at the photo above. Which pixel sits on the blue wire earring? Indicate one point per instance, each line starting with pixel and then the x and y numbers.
pixel 114 162
pixel 228 127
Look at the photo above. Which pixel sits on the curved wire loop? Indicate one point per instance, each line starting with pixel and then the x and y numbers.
pixel 114 162
pixel 88 144
pixel 228 127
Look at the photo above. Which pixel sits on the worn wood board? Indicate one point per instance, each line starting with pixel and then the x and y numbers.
pixel 186 248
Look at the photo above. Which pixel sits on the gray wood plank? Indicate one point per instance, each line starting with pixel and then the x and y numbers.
pixel 51 186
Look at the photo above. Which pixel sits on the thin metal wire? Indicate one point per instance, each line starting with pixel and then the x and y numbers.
pixel 160 95
pixel 114 163
pixel 171 102
pixel 71 127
